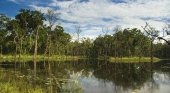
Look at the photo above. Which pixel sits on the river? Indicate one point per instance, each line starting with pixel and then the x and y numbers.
pixel 87 76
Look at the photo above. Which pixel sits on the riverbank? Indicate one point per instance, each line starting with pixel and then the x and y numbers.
pixel 25 58
pixel 133 59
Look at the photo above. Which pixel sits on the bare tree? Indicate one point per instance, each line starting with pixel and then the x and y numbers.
pixel 166 31
pixel 117 28
pixel 78 31
pixel 154 33
pixel 52 17
pixel 105 30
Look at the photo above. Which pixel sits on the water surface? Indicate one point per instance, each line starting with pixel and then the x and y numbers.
pixel 88 76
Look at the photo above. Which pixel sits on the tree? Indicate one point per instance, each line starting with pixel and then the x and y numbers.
pixel 17 34
pixel 153 34
pixel 78 31
pixel 3 22
pixel 3 30
pixel 125 43
pixel 59 40
pixel 105 30
pixel 103 46
pixel 31 22
pixel 51 17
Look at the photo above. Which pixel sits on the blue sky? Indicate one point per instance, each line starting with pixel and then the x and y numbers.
pixel 95 15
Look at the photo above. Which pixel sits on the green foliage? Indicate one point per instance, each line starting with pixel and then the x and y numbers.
pixel 126 43
pixel 18 37
pixel 103 46
pixel 133 59
pixel 162 50
pixel 29 20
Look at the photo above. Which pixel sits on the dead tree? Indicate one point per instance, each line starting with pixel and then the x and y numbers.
pixel 153 33
pixel 78 31
pixel 149 30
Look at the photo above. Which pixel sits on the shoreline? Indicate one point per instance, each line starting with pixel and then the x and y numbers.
pixel 133 59
pixel 25 58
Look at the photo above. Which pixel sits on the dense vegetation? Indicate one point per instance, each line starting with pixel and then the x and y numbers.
pixel 27 34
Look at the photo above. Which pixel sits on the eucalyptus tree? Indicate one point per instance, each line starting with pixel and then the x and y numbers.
pixel 23 18
pixel 87 45
pixel 105 30
pixel 59 40
pixel 3 30
pixel 51 17
pixel 124 43
pixel 16 35
pixel 116 30
pixel 153 34
pixel 103 45
pixel 139 42
pixel 151 31
pixel 78 31
pixel 166 30
pixel 83 48
pixel 31 22
pixel 131 42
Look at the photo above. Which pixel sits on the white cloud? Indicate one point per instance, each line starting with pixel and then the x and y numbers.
pixel 105 13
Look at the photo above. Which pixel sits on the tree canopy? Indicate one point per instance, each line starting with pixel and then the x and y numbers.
pixel 27 33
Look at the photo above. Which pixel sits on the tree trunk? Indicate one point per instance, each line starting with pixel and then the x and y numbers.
pixel 35 45
pixel 20 48
pixel 1 52
pixel 35 50
pixel 151 52
pixel 49 47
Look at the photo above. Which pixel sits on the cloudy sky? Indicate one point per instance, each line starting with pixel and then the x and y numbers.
pixel 93 15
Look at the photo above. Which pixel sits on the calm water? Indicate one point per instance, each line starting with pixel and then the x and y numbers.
pixel 89 76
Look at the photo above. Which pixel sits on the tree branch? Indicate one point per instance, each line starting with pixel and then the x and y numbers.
pixel 147 28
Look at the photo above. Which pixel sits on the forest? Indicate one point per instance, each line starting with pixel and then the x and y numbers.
pixel 27 34
pixel 38 55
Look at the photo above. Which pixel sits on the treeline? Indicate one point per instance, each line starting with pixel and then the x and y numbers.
pixel 28 34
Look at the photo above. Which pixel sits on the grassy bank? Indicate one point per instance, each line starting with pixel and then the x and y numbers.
pixel 12 88
pixel 133 59
pixel 24 58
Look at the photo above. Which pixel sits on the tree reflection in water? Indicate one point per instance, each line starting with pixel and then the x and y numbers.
pixel 88 76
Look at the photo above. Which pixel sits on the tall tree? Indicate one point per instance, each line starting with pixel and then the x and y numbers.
pixel 151 31
pixel 59 40
pixel 78 31
pixel 31 21
pixel 3 31
pixel 16 33
pixel 153 34
pixel 51 18
pixel 115 31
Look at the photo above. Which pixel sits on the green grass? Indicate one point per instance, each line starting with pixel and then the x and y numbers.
pixel 11 82
pixel 24 58
pixel 12 88
pixel 133 59
pixel 17 82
